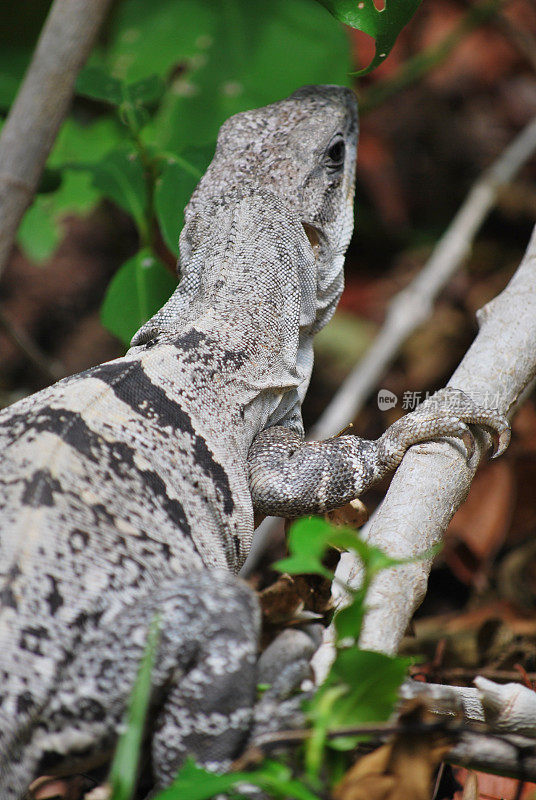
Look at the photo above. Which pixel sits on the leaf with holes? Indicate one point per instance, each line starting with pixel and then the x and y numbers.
pixel 384 26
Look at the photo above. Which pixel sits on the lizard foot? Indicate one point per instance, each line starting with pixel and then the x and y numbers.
pixel 449 412
pixel 452 401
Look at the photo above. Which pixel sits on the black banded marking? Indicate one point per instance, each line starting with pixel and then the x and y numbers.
pixel 132 386
pixel 71 428
pixel 39 489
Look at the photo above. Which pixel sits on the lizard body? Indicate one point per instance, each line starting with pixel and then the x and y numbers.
pixel 130 489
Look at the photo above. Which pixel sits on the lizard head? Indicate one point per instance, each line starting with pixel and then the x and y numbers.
pixel 303 150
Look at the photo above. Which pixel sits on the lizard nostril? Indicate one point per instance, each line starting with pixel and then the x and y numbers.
pixel 312 235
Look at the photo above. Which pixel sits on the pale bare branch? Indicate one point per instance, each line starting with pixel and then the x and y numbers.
pixel 41 106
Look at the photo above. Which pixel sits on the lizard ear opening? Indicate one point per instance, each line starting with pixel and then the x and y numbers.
pixel 312 235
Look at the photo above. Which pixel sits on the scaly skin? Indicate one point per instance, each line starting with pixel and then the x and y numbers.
pixel 130 489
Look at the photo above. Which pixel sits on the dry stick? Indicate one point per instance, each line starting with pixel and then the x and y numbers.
pixel 426 504
pixel 41 106
pixel 513 757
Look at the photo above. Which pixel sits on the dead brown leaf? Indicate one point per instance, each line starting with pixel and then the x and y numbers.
pixel 492 787
pixel 479 527
pixel 353 515
pixel 402 769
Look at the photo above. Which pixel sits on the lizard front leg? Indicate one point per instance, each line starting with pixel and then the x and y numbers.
pixel 290 477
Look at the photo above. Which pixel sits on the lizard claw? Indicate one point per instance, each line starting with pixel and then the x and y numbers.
pixel 501 440
pixel 470 413
pixel 469 441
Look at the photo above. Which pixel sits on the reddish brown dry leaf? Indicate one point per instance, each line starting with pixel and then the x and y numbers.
pixel 479 527
pixel 378 173
pixel 400 770
pixel 493 787
pixel 353 515
pixel 483 56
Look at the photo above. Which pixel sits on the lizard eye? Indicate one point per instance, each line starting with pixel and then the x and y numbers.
pixel 335 153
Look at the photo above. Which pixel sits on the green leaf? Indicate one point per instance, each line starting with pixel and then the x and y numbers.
pixel 384 26
pixel 120 177
pixel 195 783
pixel 174 187
pixel 96 83
pixel 39 232
pixel 374 560
pixel 349 620
pixel 307 542
pixel 91 141
pixel 146 91
pixel 238 65
pixel 371 680
pixel 124 768
pixel 137 291
pixel 156 37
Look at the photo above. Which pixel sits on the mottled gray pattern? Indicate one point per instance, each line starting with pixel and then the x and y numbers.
pixel 121 487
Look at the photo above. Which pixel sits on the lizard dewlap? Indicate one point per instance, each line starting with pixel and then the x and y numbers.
pixel 129 489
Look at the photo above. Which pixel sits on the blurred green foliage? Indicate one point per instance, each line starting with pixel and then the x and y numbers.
pixel 149 104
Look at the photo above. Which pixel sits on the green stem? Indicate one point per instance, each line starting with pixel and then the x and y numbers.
pixel 150 172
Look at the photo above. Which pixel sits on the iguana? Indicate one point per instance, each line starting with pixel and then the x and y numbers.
pixel 130 489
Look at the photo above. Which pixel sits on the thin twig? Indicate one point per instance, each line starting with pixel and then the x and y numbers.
pixel 434 479
pixel 495 754
pixel 476 748
pixel 51 370
pixel 378 730
pixel 468 675
pixel 41 106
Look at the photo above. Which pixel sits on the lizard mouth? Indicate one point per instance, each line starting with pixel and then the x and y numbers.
pixel 314 237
